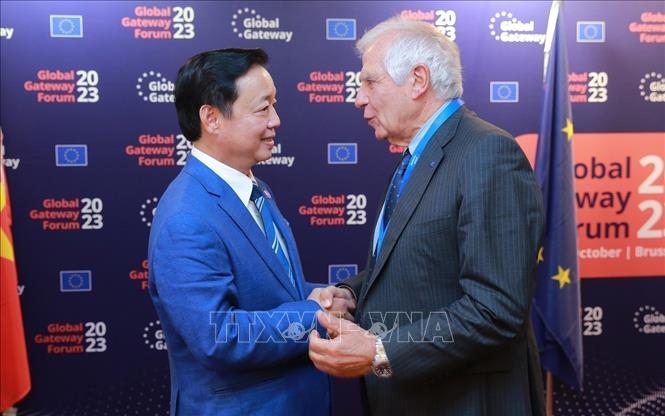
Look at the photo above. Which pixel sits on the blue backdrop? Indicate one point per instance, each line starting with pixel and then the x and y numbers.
pixel 91 141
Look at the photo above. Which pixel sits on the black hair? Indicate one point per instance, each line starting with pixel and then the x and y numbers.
pixel 210 78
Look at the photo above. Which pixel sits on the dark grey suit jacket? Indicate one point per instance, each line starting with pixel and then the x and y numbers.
pixel 454 281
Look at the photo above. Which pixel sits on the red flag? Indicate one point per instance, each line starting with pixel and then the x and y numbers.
pixel 14 372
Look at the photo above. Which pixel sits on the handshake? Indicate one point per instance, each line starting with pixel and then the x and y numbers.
pixel 349 349
pixel 337 301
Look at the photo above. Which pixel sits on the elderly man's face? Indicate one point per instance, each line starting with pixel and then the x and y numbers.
pixel 387 107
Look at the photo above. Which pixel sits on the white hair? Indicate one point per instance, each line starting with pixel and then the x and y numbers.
pixel 415 43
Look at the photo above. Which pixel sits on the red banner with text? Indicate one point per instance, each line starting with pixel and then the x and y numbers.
pixel 620 199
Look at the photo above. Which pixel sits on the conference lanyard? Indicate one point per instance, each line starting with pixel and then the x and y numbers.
pixel 447 111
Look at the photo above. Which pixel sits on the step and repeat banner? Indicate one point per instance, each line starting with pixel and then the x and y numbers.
pixel 92 140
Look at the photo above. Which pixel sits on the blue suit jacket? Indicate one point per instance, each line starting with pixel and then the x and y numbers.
pixel 236 329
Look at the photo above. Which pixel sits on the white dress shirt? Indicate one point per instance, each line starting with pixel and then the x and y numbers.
pixel 241 185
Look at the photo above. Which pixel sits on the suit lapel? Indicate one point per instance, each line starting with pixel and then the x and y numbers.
pixel 229 202
pixel 413 191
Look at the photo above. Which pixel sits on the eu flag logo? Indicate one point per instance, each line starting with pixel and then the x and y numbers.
pixel 66 26
pixel 342 153
pixel 341 29
pixel 504 92
pixel 340 272
pixel 71 155
pixel 590 32
pixel 75 281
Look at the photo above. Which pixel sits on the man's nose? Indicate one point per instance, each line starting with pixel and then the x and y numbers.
pixel 273 120
pixel 361 99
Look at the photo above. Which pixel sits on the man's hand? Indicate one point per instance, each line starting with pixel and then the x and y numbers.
pixel 349 352
pixel 335 300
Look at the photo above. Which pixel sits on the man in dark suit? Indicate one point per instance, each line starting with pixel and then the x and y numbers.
pixel 444 302
pixel 225 276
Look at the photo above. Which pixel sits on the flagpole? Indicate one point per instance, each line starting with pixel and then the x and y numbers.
pixel 549 394
pixel 549 35
pixel 549 38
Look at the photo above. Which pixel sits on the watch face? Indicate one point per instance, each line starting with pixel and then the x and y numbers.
pixel 383 370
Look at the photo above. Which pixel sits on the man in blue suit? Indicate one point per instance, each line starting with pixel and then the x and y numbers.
pixel 225 276
pixel 444 302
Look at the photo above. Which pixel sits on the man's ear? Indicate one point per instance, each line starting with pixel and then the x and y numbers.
pixel 420 79
pixel 210 118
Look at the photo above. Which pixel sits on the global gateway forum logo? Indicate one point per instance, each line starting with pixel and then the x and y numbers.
pixel 250 25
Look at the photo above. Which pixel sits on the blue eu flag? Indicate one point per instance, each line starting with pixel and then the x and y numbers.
pixel 342 153
pixel 67 155
pixel 66 26
pixel 340 272
pixel 340 29
pixel 556 308
pixel 75 280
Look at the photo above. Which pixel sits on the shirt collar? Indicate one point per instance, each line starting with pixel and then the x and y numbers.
pixel 238 181
pixel 421 133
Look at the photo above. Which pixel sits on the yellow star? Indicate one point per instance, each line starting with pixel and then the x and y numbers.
pixel 568 129
pixel 563 277
pixel 541 255
pixel 3 194
pixel 6 247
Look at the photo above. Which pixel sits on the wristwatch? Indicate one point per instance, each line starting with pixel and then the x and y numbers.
pixel 380 364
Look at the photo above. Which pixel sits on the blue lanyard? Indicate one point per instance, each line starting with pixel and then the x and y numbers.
pixel 452 106
pixel 447 111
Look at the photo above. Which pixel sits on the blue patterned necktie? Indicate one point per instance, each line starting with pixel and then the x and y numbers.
pixel 393 191
pixel 391 201
pixel 270 230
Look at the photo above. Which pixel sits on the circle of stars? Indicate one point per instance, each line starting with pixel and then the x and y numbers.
pixel 146 211
pixel 147 330
pixel 71 155
pixel 497 15
pixel 151 74
pixel 238 14
pixel 342 153
pixel 75 280
pixel 646 80
pixel 638 317
pixel 66 26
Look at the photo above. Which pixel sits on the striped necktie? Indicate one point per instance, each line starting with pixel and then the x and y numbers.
pixel 271 231
pixel 390 202
pixel 393 191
